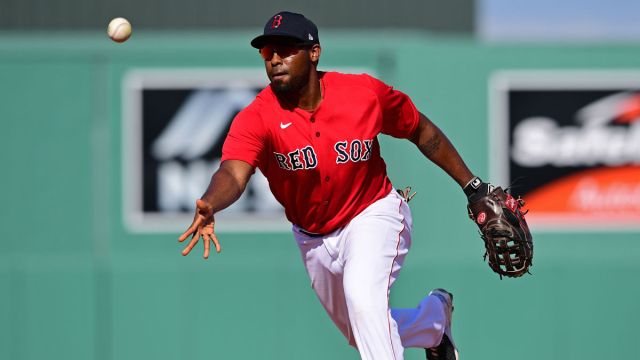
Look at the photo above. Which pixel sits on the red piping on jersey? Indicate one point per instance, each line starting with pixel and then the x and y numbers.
pixel 389 282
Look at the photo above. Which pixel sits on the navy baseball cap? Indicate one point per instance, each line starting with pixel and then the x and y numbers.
pixel 290 25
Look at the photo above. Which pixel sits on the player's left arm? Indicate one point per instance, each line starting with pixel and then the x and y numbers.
pixel 508 241
pixel 433 143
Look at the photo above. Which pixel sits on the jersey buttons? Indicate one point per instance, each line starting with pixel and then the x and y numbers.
pixel 312 119
pixel 317 133
pixel 326 178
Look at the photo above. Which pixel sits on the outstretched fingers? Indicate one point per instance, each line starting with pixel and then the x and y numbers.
pixel 202 226
pixel 190 230
pixel 208 238
pixel 214 238
pixel 207 245
pixel 192 243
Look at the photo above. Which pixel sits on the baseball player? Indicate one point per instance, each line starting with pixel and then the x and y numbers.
pixel 314 135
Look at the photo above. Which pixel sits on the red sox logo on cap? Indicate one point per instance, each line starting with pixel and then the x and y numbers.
pixel 295 27
pixel 277 20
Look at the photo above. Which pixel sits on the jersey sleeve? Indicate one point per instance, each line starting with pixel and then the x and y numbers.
pixel 246 139
pixel 400 116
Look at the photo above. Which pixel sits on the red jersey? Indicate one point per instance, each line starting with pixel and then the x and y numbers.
pixel 323 166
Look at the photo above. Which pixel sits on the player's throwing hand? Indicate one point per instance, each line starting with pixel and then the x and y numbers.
pixel 202 226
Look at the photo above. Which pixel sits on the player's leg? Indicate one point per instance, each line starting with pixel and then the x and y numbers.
pixel 373 248
pixel 325 273
pixel 371 273
pixel 424 325
pixel 446 350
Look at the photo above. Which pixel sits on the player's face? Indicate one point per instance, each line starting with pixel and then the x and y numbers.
pixel 288 65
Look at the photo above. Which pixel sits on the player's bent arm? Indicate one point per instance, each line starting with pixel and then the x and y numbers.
pixel 227 184
pixel 437 148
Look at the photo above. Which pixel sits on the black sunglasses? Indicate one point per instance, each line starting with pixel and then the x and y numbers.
pixel 283 50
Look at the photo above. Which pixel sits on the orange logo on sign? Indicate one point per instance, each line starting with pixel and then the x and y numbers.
pixel 602 195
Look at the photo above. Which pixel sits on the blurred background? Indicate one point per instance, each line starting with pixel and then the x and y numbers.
pixel 104 148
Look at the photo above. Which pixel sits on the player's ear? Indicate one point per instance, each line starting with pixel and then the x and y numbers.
pixel 314 53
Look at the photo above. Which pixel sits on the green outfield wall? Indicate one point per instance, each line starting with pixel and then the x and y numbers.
pixel 76 284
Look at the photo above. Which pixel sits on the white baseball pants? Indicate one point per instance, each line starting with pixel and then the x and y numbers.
pixel 352 270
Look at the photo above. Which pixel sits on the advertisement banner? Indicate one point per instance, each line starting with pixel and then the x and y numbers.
pixel 569 142
pixel 174 124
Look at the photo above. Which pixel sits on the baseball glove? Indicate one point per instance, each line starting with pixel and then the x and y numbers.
pixel 507 239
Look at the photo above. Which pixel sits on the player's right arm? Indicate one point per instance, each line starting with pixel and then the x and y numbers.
pixel 225 187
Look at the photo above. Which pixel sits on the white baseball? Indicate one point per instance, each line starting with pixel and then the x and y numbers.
pixel 119 29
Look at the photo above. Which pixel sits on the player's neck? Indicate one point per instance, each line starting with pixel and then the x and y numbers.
pixel 309 96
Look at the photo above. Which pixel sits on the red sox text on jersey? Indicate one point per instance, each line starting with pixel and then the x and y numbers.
pixel 305 158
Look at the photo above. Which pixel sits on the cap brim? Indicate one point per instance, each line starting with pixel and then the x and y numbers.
pixel 261 40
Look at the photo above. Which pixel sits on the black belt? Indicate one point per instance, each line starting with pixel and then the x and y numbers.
pixel 310 234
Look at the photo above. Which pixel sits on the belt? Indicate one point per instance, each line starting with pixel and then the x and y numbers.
pixel 310 234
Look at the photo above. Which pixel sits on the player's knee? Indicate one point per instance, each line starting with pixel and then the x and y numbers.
pixel 363 306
